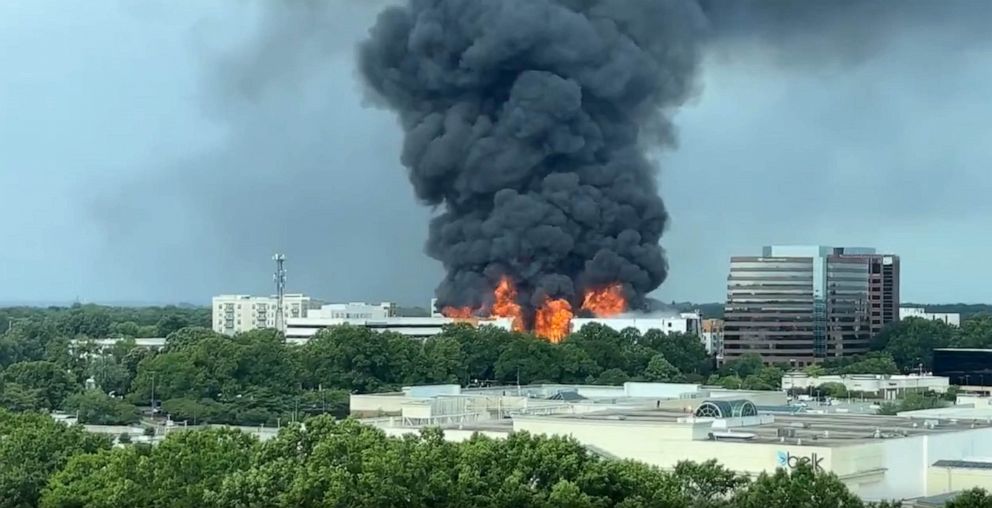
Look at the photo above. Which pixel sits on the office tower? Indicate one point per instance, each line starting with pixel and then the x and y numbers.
pixel 799 305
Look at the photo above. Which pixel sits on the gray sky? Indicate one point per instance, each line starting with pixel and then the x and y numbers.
pixel 164 152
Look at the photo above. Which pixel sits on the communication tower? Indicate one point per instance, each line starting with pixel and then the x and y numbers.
pixel 280 279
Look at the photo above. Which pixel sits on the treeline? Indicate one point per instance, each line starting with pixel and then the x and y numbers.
pixel 99 322
pixel 327 463
pixel 911 342
pixel 254 378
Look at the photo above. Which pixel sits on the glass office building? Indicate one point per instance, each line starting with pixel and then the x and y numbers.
pixel 801 304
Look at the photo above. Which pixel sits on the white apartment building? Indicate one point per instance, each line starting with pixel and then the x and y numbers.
pixel 951 318
pixel 241 313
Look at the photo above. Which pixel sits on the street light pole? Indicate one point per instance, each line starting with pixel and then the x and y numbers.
pixel 153 395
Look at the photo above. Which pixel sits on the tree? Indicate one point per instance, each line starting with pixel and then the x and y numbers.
pixel 16 397
pixel 802 487
pixel 576 365
pixel 912 402
pixel 973 498
pixel 685 351
pixel 743 367
pixel 835 390
pixel 184 337
pixel 170 324
pixel 96 408
pixel 178 472
pixel 912 341
pixel 109 375
pixel 51 382
pixel 871 363
pixel 441 361
pixel 527 359
pixel 660 370
pixel 612 377
pixel 766 378
pixel 32 447
pixel 708 483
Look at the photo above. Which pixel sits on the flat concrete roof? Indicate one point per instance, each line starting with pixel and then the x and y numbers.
pixel 813 429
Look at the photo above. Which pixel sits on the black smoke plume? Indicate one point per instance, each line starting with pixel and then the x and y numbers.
pixel 528 124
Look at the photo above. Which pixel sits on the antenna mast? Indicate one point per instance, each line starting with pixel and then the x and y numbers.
pixel 280 279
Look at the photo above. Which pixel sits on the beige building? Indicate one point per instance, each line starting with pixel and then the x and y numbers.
pixel 877 457
pixel 883 386
pixel 241 313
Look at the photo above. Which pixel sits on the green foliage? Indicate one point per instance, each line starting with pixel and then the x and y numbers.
pixel 911 342
pixel 973 498
pixel 16 397
pixel 180 471
pixel 32 447
pixel 913 401
pixel 835 390
pixel 52 384
pixel 802 487
pixel 661 370
pixel 97 408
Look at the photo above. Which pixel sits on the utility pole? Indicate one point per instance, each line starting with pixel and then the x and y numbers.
pixel 280 279
pixel 153 395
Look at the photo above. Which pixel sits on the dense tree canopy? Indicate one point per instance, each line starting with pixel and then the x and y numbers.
pixel 323 462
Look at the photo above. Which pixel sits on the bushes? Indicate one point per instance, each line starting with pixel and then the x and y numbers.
pixel 96 408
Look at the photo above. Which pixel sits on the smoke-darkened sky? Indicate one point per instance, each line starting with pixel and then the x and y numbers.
pixel 164 152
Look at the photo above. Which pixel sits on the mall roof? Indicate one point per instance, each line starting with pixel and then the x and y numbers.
pixel 807 429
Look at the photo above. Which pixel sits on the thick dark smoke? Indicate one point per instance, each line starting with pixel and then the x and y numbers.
pixel 527 122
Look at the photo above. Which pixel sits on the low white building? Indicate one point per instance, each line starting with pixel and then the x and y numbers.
pixel 242 313
pixel 884 386
pixel 951 318
pixel 300 330
pixel 354 310
pixel 686 322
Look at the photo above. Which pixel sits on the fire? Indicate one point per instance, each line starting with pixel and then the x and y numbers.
pixel 458 312
pixel 605 302
pixel 506 304
pixel 553 320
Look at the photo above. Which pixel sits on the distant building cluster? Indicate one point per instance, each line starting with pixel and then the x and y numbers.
pixel 241 313
pixel 799 304
pixel 950 318
pixel 305 317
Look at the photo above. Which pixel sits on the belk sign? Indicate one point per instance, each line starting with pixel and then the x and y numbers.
pixel 788 460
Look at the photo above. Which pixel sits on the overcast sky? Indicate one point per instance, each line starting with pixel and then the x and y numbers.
pixel 163 151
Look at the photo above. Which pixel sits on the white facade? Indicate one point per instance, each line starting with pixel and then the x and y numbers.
pixel 300 330
pixel 241 313
pixel 687 322
pixel 951 318
pixel 354 310
pixel 886 386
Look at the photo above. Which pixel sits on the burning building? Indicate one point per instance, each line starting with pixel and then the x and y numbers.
pixel 527 125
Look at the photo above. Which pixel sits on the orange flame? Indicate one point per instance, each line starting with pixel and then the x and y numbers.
pixel 605 302
pixel 506 303
pixel 553 320
pixel 458 312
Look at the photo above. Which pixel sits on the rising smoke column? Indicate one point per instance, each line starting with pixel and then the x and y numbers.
pixel 527 124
